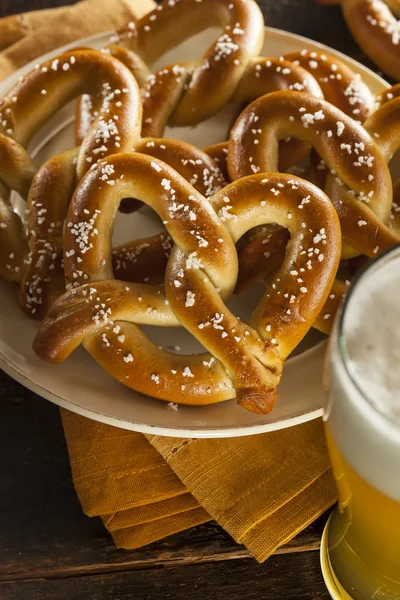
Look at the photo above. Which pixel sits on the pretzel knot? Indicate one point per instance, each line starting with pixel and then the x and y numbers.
pixel 359 185
pixel 48 201
pixel 212 79
pixel 104 314
pixel 36 98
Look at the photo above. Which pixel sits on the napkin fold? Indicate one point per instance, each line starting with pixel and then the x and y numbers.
pixel 262 489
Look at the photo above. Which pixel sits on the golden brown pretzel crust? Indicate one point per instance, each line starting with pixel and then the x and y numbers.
pixel 376 29
pixel 340 85
pixel 360 186
pixel 101 313
pixel 87 105
pixel 215 77
pixel 48 201
pixel 32 101
pixel 16 172
pixel 387 95
pixel 43 91
pixel 164 89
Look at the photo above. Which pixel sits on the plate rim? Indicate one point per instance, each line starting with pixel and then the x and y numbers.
pixel 181 432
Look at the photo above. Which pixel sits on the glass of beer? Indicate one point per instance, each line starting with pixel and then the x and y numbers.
pixel 360 548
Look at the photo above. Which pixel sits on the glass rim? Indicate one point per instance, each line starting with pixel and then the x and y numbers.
pixel 344 355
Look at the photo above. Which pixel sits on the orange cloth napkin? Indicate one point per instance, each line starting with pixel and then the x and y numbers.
pixel 263 489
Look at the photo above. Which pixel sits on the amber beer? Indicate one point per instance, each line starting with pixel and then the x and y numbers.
pixel 360 549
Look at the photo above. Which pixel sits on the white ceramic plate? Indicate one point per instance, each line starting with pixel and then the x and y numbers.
pixel 79 383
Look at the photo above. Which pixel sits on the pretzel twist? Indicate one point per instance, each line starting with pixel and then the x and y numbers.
pixel 375 27
pixel 340 85
pixel 207 84
pixel 48 201
pixel 100 313
pixel 214 78
pixel 360 186
pixel 37 97
pixel 383 127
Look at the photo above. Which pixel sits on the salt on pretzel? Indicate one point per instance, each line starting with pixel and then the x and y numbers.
pixel 360 186
pixel 374 26
pixel 38 96
pixel 87 106
pixel 340 85
pixel 216 75
pixel 104 314
pixel 383 127
pixel 48 201
pixel 210 81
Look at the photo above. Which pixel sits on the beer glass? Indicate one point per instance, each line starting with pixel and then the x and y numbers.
pixel 360 548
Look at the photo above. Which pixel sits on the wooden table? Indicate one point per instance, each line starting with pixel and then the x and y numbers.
pixel 50 550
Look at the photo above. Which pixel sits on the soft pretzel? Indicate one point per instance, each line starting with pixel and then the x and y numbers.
pixel 340 85
pixel 163 92
pixel 383 127
pixel 375 28
pixel 48 201
pixel 360 186
pixel 204 86
pixel 216 75
pixel 103 314
pixel 262 75
pixel 38 96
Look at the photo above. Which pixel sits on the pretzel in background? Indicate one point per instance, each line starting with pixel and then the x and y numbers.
pixel 36 98
pixel 375 27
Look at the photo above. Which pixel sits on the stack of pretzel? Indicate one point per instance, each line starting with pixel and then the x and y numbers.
pixel 233 217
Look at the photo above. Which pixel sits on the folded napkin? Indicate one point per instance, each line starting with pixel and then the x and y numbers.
pixel 262 489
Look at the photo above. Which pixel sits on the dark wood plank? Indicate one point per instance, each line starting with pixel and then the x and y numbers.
pixel 43 530
pixel 285 577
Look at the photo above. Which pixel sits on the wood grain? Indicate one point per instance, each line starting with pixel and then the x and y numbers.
pixel 285 577
pixel 43 530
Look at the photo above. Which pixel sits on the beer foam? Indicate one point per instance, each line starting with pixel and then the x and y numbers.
pixel 363 407
pixel 371 330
